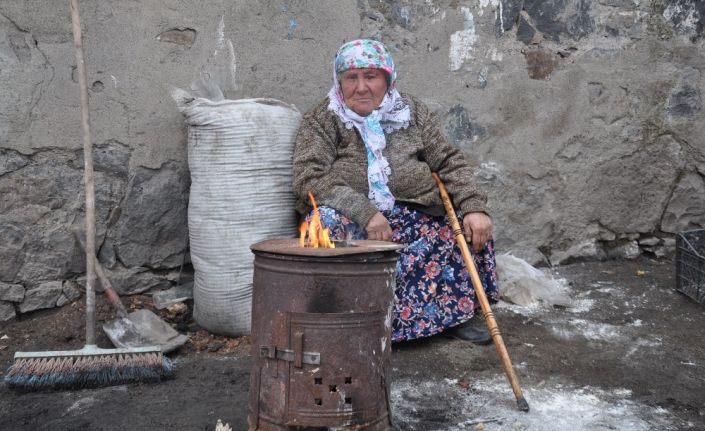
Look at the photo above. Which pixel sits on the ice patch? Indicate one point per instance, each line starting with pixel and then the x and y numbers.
pixel 581 305
pixel 490 402
pixel 585 329
pixel 524 310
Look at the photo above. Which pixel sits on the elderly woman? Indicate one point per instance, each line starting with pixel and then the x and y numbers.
pixel 366 153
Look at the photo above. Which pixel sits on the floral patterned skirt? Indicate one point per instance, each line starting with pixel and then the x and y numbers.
pixel 433 289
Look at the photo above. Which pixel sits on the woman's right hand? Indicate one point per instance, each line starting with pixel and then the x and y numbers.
pixel 378 228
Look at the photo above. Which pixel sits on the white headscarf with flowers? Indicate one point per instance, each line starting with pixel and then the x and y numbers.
pixel 392 114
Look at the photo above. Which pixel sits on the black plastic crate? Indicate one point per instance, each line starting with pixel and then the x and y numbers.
pixel 690 264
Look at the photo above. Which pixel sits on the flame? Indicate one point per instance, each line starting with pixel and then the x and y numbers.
pixel 318 236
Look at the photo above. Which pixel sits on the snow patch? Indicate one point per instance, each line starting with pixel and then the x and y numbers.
pixel 585 329
pixel 490 402
pixel 524 310
pixel 581 305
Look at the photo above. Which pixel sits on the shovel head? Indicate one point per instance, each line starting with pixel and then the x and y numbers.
pixel 143 328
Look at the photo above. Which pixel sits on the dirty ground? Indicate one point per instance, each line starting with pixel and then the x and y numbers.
pixel 628 355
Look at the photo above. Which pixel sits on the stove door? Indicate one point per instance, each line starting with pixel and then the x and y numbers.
pixel 348 387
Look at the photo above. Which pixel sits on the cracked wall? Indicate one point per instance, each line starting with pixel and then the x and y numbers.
pixel 584 118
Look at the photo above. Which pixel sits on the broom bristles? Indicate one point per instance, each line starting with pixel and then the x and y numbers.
pixel 87 368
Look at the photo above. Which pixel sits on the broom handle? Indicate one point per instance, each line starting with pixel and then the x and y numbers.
pixel 481 296
pixel 87 176
pixel 110 293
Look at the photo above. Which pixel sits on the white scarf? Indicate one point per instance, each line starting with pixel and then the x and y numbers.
pixel 392 114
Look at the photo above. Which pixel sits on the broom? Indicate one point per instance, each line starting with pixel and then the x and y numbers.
pixel 90 366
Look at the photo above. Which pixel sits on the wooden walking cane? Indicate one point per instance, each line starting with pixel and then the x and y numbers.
pixel 481 296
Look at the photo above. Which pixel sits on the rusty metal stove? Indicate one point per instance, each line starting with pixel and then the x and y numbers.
pixel 321 328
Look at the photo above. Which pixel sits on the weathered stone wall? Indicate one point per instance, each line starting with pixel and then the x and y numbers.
pixel 583 117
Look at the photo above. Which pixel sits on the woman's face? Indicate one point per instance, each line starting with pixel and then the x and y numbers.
pixel 363 89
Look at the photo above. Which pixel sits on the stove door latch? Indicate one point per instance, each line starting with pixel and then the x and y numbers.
pixel 296 355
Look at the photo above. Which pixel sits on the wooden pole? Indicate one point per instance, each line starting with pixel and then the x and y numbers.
pixel 87 176
pixel 481 296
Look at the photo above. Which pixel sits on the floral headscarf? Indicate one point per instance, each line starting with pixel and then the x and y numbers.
pixel 392 114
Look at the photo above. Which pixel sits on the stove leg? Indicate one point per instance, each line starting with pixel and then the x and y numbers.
pixel 253 417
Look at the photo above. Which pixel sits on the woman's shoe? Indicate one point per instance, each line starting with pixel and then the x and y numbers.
pixel 467 332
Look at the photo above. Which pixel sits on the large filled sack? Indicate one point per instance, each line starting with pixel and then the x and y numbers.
pixel 240 155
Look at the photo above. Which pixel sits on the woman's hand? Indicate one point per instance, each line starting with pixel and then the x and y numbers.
pixel 378 228
pixel 477 227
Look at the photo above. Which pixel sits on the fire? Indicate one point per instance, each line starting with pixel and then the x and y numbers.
pixel 317 235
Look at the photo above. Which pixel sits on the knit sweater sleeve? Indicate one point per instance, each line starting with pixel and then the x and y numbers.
pixel 450 164
pixel 315 152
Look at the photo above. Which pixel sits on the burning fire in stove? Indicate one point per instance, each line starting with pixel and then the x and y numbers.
pixel 312 233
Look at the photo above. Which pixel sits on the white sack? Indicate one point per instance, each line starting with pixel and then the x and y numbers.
pixel 522 284
pixel 240 158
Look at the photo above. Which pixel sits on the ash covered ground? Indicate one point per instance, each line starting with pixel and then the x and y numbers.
pixel 628 354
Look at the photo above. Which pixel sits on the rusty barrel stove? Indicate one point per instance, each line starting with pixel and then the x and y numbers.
pixel 321 328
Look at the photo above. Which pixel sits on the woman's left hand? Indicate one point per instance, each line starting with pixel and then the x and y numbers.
pixel 477 228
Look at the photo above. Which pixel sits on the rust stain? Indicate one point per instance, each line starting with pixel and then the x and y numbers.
pixel 540 63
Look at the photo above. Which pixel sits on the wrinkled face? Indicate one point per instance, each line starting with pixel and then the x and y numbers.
pixel 363 89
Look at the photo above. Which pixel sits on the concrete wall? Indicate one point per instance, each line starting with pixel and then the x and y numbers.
pixel 584 118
